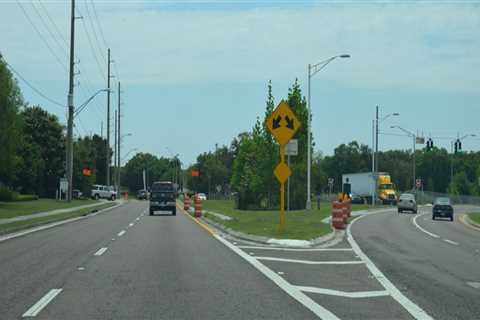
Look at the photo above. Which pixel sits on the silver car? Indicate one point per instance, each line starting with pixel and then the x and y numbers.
pixel 407 202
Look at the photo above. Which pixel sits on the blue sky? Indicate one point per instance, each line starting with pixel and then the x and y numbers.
pixel 194 73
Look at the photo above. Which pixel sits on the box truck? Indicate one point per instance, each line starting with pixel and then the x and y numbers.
pixel 363 185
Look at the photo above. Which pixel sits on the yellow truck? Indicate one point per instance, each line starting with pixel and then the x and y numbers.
pixel 363 185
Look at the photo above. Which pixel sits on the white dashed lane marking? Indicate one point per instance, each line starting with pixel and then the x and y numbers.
pixel 297 250
pixel 101 251
pixel 310 262
pixel 42 303
pixel 359 294
pixel 451 242
pixel 130 225
pixel 121 233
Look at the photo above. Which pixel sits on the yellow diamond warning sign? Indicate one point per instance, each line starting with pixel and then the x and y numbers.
pixel 282 172
pixel 283 123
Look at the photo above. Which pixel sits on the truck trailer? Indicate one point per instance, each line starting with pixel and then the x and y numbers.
pixel 363 185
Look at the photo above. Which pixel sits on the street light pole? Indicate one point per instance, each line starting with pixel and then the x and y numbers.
pixel 312 70
pixel 414 136
pixel 375 175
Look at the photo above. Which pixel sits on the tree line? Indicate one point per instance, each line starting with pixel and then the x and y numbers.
pixel 245 168
pixel 32 147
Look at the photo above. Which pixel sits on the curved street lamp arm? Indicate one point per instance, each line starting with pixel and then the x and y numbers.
pixel 84 105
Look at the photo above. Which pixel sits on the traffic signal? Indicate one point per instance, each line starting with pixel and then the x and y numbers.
pixel 429 144
pixel 458 146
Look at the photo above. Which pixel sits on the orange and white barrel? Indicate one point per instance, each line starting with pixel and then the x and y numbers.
pixel 186 202
pixel 338 214
pixel 198 207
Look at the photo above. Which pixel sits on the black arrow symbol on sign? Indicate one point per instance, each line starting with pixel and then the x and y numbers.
pixel 289 122
pixel 276 122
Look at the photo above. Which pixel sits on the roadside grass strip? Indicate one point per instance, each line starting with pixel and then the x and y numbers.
pixel 310 262
pixel 344 294
pixel 42 303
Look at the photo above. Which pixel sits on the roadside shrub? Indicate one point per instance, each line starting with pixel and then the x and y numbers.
pixel 7 194
pixel 26 197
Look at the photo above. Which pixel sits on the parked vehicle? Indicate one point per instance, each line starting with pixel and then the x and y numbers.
pixel 103 192
pixel 202 196
pixel 363 184
pixel 142 194
pixel 163 196
pixel 407 202
pixel 356 199
pixel 442 207
pixel 77 194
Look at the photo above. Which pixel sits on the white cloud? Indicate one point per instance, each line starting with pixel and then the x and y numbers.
pixel 422 46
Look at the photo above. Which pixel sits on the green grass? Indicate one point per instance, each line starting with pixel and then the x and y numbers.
pixel 300 224
pixel 475 217
pixel 21 208
pixel 20 225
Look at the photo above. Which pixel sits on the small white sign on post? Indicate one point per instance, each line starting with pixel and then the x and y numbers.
pixel 63 184
pixel 291 148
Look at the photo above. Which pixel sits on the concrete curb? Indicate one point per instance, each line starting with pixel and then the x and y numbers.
pixel 240 236
pixel 471 222
pixel 43 226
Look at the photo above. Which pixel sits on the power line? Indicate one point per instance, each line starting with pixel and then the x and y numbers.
pixel 42 37
pixel 31 86
pixel 97 20
pixel 57 29
pixel 94 53
pixel 92 25
pixel 45 25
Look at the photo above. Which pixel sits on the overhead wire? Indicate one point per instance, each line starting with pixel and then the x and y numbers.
pixel 42 37
pixel 40 93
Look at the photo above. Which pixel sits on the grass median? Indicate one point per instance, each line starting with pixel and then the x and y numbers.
pixel 30 223
pixel 475 217
pixel 22 208
pixel 300 224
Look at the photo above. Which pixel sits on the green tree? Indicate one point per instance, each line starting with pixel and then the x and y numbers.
pixel 42 133
pixel 10 103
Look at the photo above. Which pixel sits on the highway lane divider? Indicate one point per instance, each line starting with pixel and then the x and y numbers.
pixel 197 221
pixel 414 221
pixel 412 308
pixel 42 303
pixel 55 224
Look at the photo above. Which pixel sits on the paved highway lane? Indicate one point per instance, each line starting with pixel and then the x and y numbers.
pixel 159 267
pixel 438 275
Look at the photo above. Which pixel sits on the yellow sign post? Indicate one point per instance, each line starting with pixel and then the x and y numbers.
pixel 282 124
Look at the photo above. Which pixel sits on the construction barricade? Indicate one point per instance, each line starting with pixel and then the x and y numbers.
pixel 198 207
pixel 186 202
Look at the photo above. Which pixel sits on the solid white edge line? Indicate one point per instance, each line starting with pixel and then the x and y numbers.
pixel 451 242
pixel 121 233
pixel 101 251
pixel 407 304
pixel 292 249
pixel 310 262
pixel 345 294
pixel 42 303
pixel 54 224
pixel 414 220
pixel 317 309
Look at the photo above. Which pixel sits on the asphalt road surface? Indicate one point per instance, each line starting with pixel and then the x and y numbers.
pixel 125 264
pixel 435 263
pixel 160 267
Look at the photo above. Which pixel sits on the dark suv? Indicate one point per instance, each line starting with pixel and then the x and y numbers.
pixel 442 207
pixel 163 197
